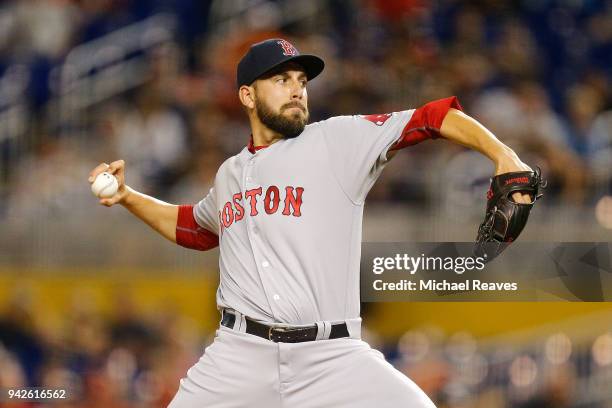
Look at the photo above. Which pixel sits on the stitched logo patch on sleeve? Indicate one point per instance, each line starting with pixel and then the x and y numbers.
pixel 377 119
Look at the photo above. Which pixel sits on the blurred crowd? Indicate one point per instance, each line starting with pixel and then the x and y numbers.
pixel 553 371
pixel 120 359
pixel 132 358
pixel 536 73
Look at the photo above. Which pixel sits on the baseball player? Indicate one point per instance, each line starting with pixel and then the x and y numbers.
pixel 286 213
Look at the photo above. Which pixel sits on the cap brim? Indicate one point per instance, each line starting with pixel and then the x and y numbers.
pixel 312 65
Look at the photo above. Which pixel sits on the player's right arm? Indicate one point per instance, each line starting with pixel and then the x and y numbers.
pixel 174 222
pixel 159 215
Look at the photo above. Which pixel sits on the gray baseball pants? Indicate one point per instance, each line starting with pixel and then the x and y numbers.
pixel 239 370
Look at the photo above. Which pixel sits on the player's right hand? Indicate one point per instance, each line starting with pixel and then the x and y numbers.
pixel 117 169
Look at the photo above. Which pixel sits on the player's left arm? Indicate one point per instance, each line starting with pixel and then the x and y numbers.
pixel 462 129
pixel 467 131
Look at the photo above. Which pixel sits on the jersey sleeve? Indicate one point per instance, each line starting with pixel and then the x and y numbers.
pixel 205 212
pixel 358 144
pixel 196 226
pixel 190 234
pixel 425 122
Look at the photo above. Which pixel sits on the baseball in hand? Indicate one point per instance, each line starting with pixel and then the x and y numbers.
pixel 105 185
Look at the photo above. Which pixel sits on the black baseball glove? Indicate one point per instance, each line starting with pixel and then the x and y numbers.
pixel 505 219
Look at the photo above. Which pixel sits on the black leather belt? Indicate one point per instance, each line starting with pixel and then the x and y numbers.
pixel 284 334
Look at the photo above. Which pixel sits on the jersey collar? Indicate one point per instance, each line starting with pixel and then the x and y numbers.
pixel 252 148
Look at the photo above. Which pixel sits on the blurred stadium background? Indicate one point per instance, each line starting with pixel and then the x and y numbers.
pixel 92 300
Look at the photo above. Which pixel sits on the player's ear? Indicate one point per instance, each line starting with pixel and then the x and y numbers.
pixel 247 96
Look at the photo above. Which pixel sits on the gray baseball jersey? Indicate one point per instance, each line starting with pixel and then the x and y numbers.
pixel 289 216
pixel 287 219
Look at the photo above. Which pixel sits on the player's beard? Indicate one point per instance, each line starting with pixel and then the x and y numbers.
pixel 289 127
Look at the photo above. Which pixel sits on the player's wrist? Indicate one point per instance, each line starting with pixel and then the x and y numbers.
pixel 508 161
pixel 126 193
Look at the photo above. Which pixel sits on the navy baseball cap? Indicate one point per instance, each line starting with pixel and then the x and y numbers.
pixel 266 55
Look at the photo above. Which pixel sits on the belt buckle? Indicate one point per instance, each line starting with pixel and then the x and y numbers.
pixel 272 328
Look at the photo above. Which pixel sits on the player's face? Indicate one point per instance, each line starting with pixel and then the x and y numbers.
pixel 281 101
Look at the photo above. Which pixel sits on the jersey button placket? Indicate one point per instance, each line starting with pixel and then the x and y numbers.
pixel 266 273
pixel 249 184
pixel 263 265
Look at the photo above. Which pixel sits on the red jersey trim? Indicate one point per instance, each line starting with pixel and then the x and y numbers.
pixel 252 148
pixel 426 122
pixel 190 235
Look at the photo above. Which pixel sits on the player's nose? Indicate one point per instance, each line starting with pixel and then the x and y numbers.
pixel 297 90
pixel 296 93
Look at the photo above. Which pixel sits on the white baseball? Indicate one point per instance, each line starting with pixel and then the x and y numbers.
pixel 105 185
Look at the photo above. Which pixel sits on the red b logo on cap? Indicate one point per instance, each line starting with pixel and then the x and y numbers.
pixel 288 48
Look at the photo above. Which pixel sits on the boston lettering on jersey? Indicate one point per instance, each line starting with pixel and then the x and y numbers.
pixel 234 211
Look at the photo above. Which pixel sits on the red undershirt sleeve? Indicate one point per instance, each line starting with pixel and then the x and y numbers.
pixel 425 122
pixel 190 234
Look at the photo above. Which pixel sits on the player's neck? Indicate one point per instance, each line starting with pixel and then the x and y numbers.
pixel 262 135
